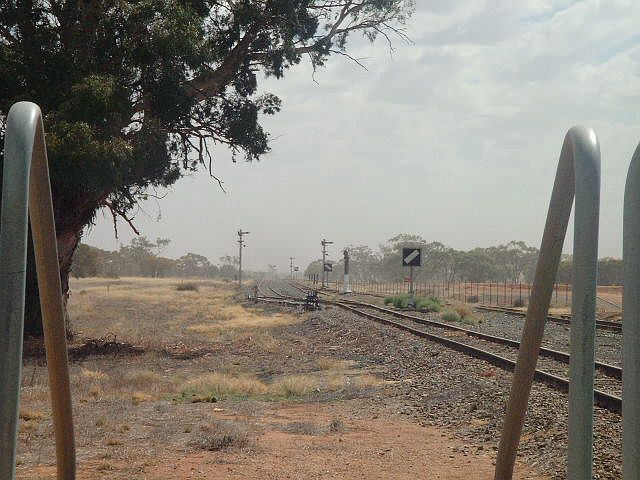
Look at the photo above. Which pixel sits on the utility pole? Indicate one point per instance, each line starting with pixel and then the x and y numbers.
pixel 241 245
pixel 324 244
pixel 291 259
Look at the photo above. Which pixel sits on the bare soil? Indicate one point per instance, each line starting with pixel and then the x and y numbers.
pixel 171 384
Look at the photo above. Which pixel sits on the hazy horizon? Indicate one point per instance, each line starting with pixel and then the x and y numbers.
pixel 455 138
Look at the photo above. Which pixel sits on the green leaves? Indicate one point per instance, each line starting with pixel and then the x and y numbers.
pixel 136 92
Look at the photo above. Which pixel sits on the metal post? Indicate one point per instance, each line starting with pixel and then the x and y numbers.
pixel 411 280
pixel 578 175
pixel 346 287
pixel 26 182
pixel 325 276
pixel 631 324
pixel 241 245
pixel 291 259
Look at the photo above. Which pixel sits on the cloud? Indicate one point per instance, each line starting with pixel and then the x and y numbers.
pixel 455 137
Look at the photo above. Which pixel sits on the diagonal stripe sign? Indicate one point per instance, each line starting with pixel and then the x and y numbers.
pixel 411 256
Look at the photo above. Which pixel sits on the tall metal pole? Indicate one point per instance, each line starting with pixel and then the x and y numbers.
pixel 631 324
pixel 291 259
pixel 346 288
pixel 578 175
pixel 324 244
pixel 241 245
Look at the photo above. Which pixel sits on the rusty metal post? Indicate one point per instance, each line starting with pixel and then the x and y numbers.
pixel 578 175
pixel 26 181
pixel 631 324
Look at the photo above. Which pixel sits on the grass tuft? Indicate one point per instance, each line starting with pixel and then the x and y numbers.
pixel 450 316
pixel 187 287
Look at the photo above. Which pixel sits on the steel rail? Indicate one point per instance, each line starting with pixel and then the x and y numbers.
pixel 563 320
pixel 610 370
pixel 603 399
pixel 577 176
pixel 631 323
pixel 26 188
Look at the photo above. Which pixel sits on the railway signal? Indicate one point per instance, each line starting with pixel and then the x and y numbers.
pixel 324 244
pixel 291 259
pixel 241 245
pixel 346 288
pixel 411 257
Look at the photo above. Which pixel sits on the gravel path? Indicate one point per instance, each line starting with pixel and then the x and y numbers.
pixel 441 387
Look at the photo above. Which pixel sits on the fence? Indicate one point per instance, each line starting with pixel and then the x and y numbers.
pixel 488 293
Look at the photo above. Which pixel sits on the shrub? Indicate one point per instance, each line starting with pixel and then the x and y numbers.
pixel 472 299
pixel 401 301
pixel 463 311
pixel 450 316
pixel 388 300
pixel 426 305
pixel 189 286
pixel 518 302
pixel 435 300
pixel 469 321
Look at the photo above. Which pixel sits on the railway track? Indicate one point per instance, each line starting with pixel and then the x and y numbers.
pixel 499 351
pixel 561 319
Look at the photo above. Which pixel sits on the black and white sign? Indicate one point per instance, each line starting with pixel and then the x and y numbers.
pixel 411 257
pixel 328 267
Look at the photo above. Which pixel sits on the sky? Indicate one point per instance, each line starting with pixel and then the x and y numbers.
pixel 455 137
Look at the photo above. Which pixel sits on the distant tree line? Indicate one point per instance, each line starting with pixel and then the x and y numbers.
pixel 143 257
pixel 512 262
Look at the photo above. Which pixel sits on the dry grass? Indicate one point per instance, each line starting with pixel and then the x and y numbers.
pixel 222 385
pixel 152 313
pixel 463 311
pixel 222 435
pixel 327 363
pixel 30 415
pixel 294 386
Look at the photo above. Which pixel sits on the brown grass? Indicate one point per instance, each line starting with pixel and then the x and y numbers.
pixel 463 311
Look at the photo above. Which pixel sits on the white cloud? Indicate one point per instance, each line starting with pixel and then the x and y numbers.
pixel 455 137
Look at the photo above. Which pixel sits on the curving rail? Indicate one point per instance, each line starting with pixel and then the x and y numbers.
pixel 578 175
pixel 26 188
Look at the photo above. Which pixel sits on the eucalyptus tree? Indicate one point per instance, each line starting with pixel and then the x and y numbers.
pixel 136 93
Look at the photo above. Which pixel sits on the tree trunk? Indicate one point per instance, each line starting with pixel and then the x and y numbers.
pixel 67 244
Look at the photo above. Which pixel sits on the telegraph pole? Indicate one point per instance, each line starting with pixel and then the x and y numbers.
pixel 291 259
pixel 324 244
pixel 241 245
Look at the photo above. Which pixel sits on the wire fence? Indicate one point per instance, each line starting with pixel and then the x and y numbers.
pixel 505 294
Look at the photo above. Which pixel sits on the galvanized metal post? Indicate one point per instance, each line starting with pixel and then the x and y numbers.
pixel 631 324
pixel 578 175
pixel 26 182
pixel 346 288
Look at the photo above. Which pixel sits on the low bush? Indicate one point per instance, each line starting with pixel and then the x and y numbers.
pixel 450 316
pixel 404 301
pixel 427 304
pixel 463 311
pixel 189 286
pixel 401 301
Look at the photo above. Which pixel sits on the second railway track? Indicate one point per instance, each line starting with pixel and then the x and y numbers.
pixel 499 351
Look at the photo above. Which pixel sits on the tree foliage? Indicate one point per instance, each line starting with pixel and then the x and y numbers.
pixel 513 262
pixel 136 93
pixel 142 258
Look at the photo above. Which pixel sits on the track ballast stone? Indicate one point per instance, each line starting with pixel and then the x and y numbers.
pixel 438 386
